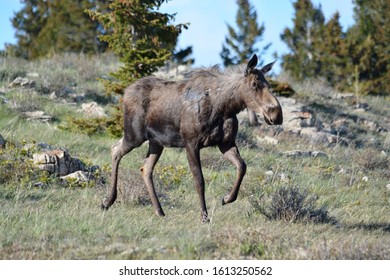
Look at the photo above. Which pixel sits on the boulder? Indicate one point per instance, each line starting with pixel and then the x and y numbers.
pixel 92 109
pixel 58 162
pixel 22 82
pixel 37 116
pixel 78 176
pixel 268 140
pixel 298 153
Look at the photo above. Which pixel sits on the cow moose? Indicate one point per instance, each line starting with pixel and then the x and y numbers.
pixel 194 113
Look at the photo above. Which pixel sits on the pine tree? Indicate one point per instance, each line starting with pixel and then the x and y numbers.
pixel 44 27
pixel 142 37
pixel 182 56
pixel 369 46
pixel 302 40
pixel 28 23
pixel 332 51
pixel 239 45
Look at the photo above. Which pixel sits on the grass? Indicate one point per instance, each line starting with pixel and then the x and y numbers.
pixel 59 222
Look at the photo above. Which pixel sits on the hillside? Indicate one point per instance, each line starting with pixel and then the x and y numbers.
pixel 317 187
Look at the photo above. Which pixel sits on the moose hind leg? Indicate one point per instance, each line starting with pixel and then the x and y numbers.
pixel 118 150
pixel 231 154
pixel 154 154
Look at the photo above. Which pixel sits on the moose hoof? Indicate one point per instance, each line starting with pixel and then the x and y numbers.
pixel 104 206
pixel 160 213
pixel 205 219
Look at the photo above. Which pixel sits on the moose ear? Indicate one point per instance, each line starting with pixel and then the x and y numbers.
pixel 251 65
pixel 267 67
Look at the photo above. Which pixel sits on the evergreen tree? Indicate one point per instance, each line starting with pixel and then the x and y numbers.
pixel 332 51
pixel 369 46
pixel 182 56
pixel 28 23
pixel 239 45
pixel 54 26
pixel 141 36
pixel 303 41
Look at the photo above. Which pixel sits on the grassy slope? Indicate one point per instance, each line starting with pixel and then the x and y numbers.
pixel 64 223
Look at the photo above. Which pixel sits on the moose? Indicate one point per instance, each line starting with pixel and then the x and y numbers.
pixel 194 113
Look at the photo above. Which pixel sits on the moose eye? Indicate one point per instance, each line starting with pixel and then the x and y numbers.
pixel 254 84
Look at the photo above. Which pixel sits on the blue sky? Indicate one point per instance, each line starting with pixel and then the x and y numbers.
pixel 208 19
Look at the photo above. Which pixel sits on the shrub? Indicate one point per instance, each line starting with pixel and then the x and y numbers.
pixel 291 205
pixel 24 173
pixel 171 175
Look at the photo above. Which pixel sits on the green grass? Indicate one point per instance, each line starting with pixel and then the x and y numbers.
pixel 59 222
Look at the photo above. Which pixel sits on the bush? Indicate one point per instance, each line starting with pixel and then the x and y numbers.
pixel 24 173
pixel 291 205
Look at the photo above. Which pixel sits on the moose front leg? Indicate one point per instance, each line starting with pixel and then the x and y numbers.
pixel 193 155
pixel 230 152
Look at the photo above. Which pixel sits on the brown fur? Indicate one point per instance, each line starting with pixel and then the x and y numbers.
pixel 197 112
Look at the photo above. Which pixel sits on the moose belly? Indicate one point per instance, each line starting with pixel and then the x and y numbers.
pixel 166 136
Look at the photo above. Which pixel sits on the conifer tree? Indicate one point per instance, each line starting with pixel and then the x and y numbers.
pixel 369 45
pixel 303 39
pixel 141 36
pixel 28 23
pixel 44 27
pixel 332 51
pixel 240 44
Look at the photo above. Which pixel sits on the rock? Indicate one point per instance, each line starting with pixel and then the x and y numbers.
pixel 269 174
pixel 32 75
pixel 78 176
pixel 363 106
pixel 345 96
pixel 388 187
pixel 284 178
pixel 93 110
pixel 299 153
pixel 22 82
pixel 58 162
pixel 268 140
pixel 318 154
pixel 2 142
pixel 37 116
pixel 53 95
pixel 78 98
pixel 44 146
pixel 317 137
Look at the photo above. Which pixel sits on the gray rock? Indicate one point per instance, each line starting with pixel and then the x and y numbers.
pixel 298 153
pixel 92 109
pixel 37 116
pixel 58 162
pixel 267 140
pixel 22 82
pixel 78 176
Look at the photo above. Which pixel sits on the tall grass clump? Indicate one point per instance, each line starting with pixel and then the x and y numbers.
pixel 290 204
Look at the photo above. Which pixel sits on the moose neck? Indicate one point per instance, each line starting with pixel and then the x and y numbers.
pixel 229 98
